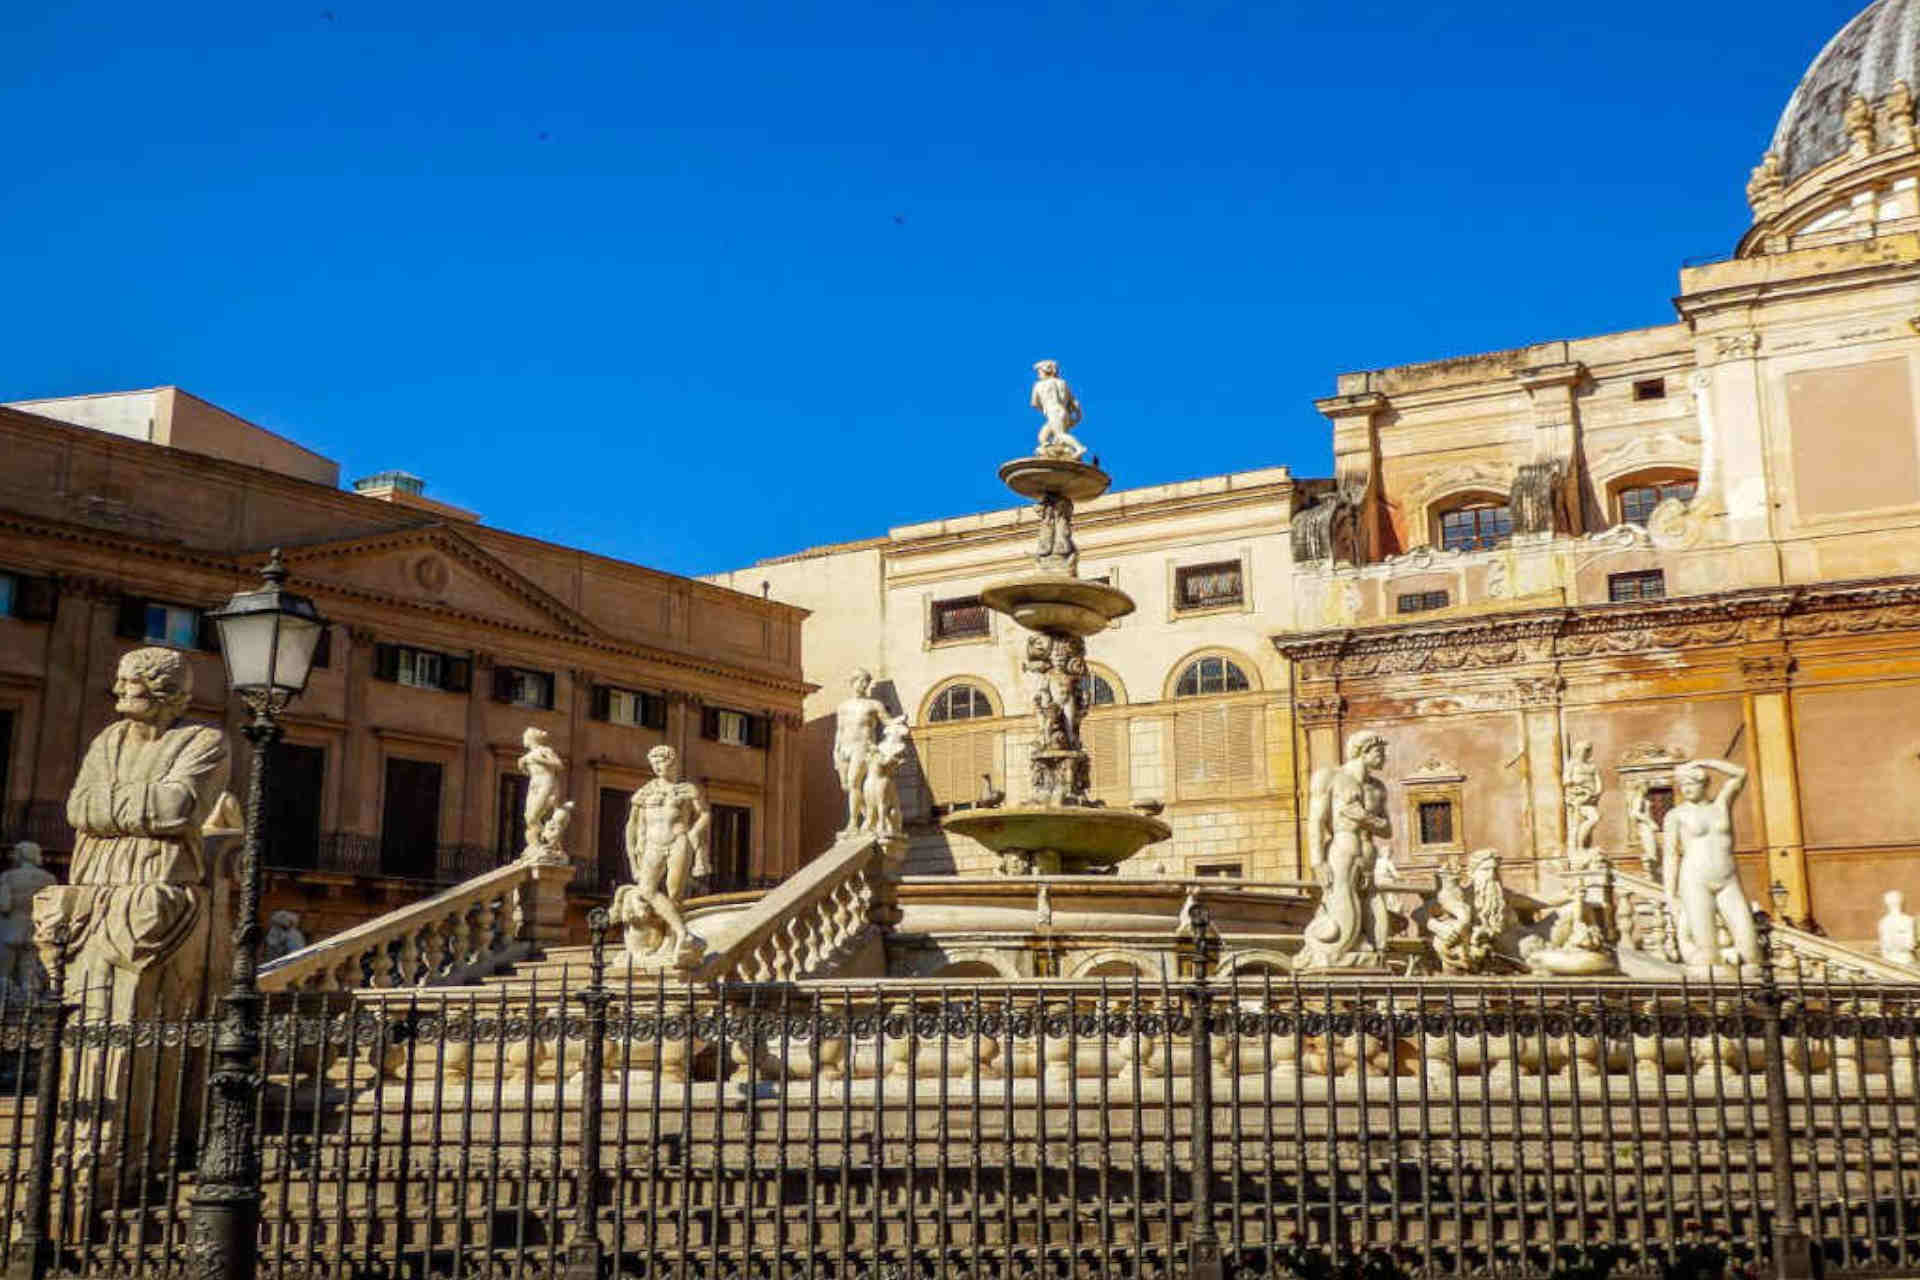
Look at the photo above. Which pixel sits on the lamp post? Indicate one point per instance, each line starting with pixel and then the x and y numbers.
pixel 267 638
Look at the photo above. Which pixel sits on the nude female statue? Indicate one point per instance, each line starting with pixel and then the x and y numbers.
pixel 543 767
pixel 1702 879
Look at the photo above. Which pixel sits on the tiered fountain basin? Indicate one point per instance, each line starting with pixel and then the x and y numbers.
pixel 1064 839
pixel 1048 603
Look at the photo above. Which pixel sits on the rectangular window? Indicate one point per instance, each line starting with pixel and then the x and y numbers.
pixel 629 707
pixel 1648 584
pixel 959 619
pixel 522 687
pixel 172 625
pixel 1476 528
pixel 735 728
pixel 732 729
pixel 1219 871
pixel 422 668
pixel 1637 503
pixel 9 589
pixel 1209 586
pixel 1421 601
pixel 28 598
pixel 1650 389
pixel 1436 822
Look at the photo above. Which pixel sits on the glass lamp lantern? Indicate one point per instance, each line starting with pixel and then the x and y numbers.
pixel 268 637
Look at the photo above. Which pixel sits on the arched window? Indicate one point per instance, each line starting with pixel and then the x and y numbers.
pixel 960 702
pixel 1476 524
pixel 1095 689
pixel 1210 675
pixel 1638 498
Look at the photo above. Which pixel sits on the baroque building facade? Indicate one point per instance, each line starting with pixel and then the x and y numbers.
pixel 448 639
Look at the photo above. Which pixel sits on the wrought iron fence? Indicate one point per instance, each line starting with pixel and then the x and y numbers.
pixel 577 1124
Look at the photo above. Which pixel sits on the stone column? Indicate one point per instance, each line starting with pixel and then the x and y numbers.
pixel 360 758
pixel 782 824
pixel 477 797
pixel 1776 779
pixel 1537 701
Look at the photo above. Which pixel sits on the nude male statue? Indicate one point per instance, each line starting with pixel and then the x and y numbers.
pixel 666 843
pixel 1581 784
pixel 1347 816
pixel 1054 398
pixel 858 723
pixel 1702 881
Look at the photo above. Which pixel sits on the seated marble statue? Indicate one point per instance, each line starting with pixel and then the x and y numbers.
pixel 1897 929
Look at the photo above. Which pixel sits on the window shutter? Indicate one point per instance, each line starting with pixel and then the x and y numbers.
pixel 653 711
pixel 35 599
pixel 940 755
pixel 323 651
pixel 986 759
pixel 131 624
pixel 1243 742
pixel 759 732
pixel 1106 738
pixel 206 633
pixel 600 705
pixel 710 723
pixel 502 683
pixel 459 675
pixel 386 662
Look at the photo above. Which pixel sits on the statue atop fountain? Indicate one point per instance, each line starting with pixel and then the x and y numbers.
pixel 1055 400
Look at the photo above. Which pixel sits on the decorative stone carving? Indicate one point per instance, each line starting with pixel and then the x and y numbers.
pixel 880 808
pixel 1646 833
pixel 1320 711
pixel 1765 183
pixel 1538 497
pixel 544 769
pixel 1043 910
pixel 1581 788
pixel 1465 922
pixel 1737 346
pixel 1056 402
pixel 1347 823
pixel 20 972
pixel 1328 529
pixel 1573 945
pixel 1055 552
pixel 1766 672
pixel 1056 667
pixel 1858 122
pixel 858 722
pixel 1897 929
pixel 142 937
pixel 1536 691
pixel 666 847
pixel 283 936
pixel 1701 879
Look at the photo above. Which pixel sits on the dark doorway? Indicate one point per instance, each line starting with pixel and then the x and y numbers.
pixel 610 846
pixel 732 847
pixel 509 841
pixel 410 820
pixel 293 806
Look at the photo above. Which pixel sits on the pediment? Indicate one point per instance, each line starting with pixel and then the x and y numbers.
pixel 435 568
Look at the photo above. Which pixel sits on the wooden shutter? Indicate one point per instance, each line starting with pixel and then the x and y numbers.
pixel 710 723
pixel 653 711
pixel 1243 747
pixel 131 621
pixel 458 675
pixel 1217 750
pixel 1106 738
pixel 386 662
pixel 953 763
pixel 503 684
pixel 600 704
pixel 35 599
pixel 323 648
pixel 206 632
pixel 759 731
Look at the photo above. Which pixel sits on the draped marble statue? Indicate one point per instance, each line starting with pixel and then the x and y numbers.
pixel 1347 827
pixel 140 911
pixel 1896 929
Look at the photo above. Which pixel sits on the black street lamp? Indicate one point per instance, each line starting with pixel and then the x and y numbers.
pixel 267 638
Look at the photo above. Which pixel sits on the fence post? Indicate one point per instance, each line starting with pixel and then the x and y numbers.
pixel 1203 1246
pixel 1792 1250
pixel 585 1252
pixel 32 1253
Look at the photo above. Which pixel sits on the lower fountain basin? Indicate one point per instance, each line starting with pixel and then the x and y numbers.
pixel 1063 840
pixel 1058 605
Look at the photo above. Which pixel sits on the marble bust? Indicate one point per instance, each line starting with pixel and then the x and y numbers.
pixel 1897 929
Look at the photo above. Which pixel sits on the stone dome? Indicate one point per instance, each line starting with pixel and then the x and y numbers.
pixel 1877 50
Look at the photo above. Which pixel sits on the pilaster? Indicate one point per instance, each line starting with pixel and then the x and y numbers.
pixel 1776 776
pixel 1536 699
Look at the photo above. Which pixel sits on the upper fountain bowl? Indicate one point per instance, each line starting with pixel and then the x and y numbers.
pixel 1037 477
pixel 1058 605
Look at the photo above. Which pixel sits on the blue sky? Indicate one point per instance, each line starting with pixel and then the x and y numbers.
pixel 693 284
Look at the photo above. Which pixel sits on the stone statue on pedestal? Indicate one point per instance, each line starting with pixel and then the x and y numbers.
pixel 1646 832
pixel 1055 399
pixel 858 722
pixel 1581 787
pixel 19 967
pixel 666 846
pixel 1897 930
pixel 880 808
pixel 1346 821
pixel 544 769
pixel 283 936
pixel 142 937
pixel 1701 879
